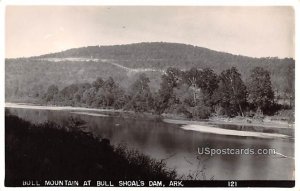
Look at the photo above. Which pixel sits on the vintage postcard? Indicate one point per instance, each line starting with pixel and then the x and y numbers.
pixel 149 96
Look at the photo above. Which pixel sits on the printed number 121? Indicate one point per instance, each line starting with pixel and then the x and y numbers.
pixel 232 184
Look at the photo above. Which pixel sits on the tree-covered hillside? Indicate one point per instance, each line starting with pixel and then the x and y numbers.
pixel 30 77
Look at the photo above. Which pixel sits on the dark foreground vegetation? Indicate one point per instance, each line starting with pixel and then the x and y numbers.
pixel 49 151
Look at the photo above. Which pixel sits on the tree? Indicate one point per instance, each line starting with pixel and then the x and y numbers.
pixel 173 77
pixel 141 97
pixel 208 81
pixel 120 98
pixel 289 91
pixel 88 96
pixel 51 92
pixel 232 92
pixel 165 95
pixel 109 94
pixel 192 77
pixel 82 87
pixel 205 80
pixel 261 94
pixel 68 92
pixel 98 83
pixel 109 84
pixel 185 95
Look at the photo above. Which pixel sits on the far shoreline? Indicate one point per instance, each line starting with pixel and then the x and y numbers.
pixel 169 118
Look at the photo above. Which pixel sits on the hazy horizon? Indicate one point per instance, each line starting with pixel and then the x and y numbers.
pixel 247 31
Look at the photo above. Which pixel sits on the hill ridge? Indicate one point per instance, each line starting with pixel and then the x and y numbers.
pixel 148 43
pixel 124 62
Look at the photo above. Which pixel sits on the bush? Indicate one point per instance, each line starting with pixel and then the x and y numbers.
pixel 180 109
pixel 201 112
pixel 219 111
pixel 50 151
pixel 259 115
pixel 285 115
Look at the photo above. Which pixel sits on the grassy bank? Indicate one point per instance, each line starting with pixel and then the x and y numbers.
pixel 49 151
pixel 283 119
pixel 267 121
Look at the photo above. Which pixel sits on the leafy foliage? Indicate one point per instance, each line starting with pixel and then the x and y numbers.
pixel 50 151
pixel 30 77
pixel 193 93
pixel 260 89
pixel 151 77
pixel 140 94
pixel 232 92
pixel 51 92
pixel 165 96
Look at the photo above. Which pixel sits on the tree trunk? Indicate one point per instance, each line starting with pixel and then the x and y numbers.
pixel 241 110
pixel 234 93
pixel 195 97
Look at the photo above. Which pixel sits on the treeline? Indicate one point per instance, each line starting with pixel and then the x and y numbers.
pixel 26 79
pixel 194 93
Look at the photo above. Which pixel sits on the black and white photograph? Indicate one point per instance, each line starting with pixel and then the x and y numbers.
pixel 149 96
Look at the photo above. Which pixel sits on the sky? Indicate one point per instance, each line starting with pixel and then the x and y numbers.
pixel 250 31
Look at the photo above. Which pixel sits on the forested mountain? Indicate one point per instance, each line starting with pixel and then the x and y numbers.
pixel 30 77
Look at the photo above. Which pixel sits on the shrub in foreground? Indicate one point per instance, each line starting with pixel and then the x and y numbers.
pixel 50 151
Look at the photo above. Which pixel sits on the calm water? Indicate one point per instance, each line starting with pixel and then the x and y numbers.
pixel 179 147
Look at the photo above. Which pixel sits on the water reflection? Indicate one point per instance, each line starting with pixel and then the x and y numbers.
pixel 179 147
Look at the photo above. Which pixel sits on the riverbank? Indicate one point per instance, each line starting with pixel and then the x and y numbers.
pixel 240 121
pixel 51 152
pixel 272 128
pixel 221 131
pixel 54 107
pixel 265 122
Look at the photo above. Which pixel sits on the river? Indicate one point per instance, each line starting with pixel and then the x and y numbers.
pixel 178 146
